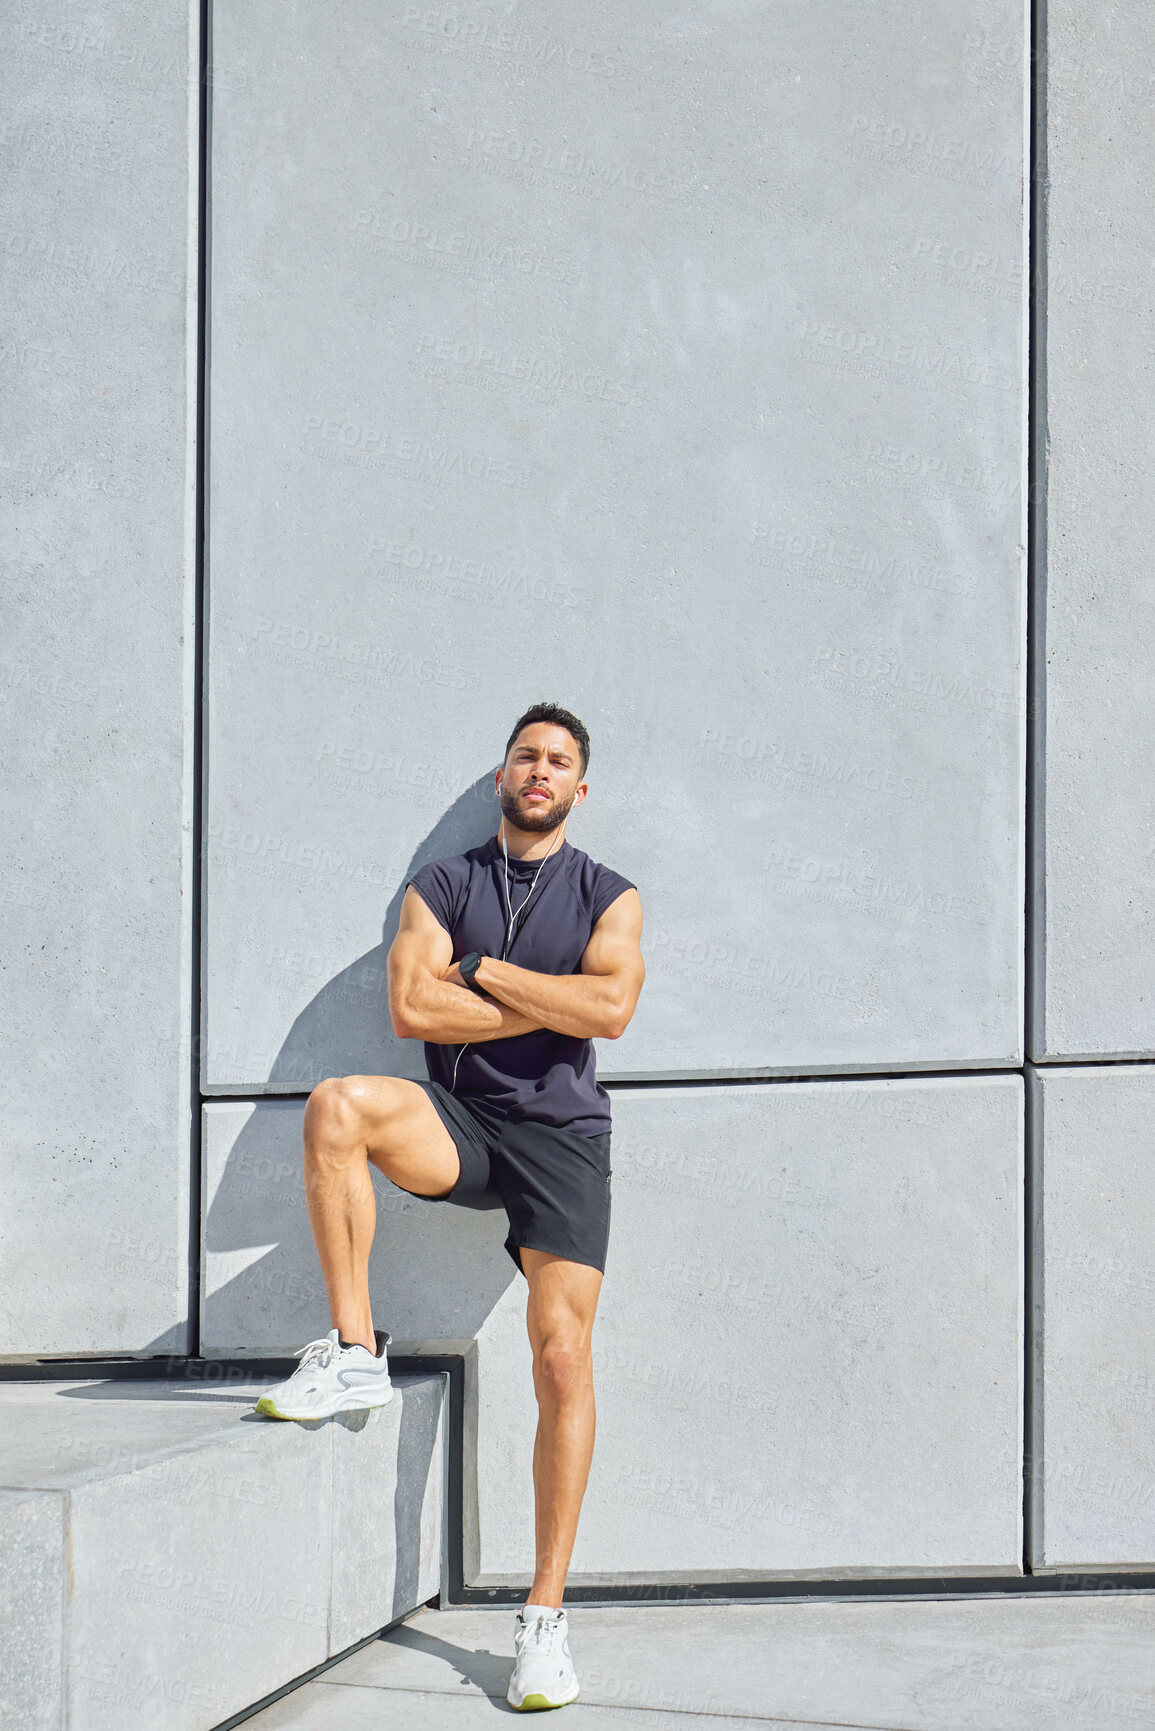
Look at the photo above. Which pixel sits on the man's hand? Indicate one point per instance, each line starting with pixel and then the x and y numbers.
pixel 595 1004
pixel 428 999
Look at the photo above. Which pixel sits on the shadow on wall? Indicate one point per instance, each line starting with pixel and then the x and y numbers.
pixel 345 1029
pixel 435 1272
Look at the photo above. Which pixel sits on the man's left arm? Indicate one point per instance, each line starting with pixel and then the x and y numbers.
pixel 595 1004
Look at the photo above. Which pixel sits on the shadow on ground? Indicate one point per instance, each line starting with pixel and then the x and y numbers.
pixel 487 1671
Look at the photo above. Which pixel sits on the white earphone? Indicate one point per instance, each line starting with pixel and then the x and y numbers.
pixel 512 919
pixel 509 906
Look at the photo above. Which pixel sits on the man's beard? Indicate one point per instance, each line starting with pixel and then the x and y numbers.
pixel 539 819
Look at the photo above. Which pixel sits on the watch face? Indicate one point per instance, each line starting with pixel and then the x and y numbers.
pixel 468 966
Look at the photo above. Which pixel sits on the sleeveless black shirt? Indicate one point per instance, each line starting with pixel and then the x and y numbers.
pixel 547 1077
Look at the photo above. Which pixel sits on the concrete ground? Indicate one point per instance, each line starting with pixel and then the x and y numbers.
pixel 1071 1662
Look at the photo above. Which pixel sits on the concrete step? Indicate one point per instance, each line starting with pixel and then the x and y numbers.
pixel 170 1557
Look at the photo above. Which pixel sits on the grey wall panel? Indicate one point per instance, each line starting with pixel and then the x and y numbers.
pixel 1092 870
pixel 1093 1448
pixel 670 370
pixel 808 1353
pixel 97 249
pixel 832 1271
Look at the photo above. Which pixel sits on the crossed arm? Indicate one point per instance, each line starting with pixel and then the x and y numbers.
pixel 428 1000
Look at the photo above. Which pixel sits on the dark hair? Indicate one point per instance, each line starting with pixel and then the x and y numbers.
pixel 556 717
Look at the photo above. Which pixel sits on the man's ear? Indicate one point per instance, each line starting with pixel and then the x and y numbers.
pixel 582 789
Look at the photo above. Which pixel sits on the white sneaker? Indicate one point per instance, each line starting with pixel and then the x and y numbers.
pixel 331 1378
pixel 543 1675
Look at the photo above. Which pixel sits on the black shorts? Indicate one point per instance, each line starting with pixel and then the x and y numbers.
pixel 553 1184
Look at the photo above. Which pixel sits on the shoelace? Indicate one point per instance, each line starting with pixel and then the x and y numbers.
pixel 318 1352
pixel 543 1633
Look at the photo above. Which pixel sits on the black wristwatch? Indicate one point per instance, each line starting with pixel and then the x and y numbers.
pixel 467 967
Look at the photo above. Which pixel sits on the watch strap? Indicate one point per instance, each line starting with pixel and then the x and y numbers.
pixel 467 968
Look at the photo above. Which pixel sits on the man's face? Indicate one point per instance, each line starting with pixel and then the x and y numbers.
pixel 539 783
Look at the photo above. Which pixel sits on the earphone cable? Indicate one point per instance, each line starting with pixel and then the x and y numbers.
pixel 510 923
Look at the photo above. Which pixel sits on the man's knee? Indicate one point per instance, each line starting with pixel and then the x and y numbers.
pixel 563 1364
pixel 336 1111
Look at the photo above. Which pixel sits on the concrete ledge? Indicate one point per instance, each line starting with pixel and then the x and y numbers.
pixel 174 1558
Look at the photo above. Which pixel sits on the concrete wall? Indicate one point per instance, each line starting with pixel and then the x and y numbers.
pixel 534 378
pixel 1095 836
pixel 565 374
pixel 97 248
pixel 674 368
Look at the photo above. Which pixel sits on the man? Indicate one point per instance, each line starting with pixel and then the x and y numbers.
pixel 508 961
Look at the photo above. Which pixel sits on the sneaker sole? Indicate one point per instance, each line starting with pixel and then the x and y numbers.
pixel 351 1402
pixel 538 1703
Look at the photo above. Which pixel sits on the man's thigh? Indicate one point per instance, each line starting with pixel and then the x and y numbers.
pixel 563 1299
pixel 403 1132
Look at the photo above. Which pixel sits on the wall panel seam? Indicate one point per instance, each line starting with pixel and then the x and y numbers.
pixel 199 11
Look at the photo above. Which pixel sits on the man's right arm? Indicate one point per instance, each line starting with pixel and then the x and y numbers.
pixel 427 998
